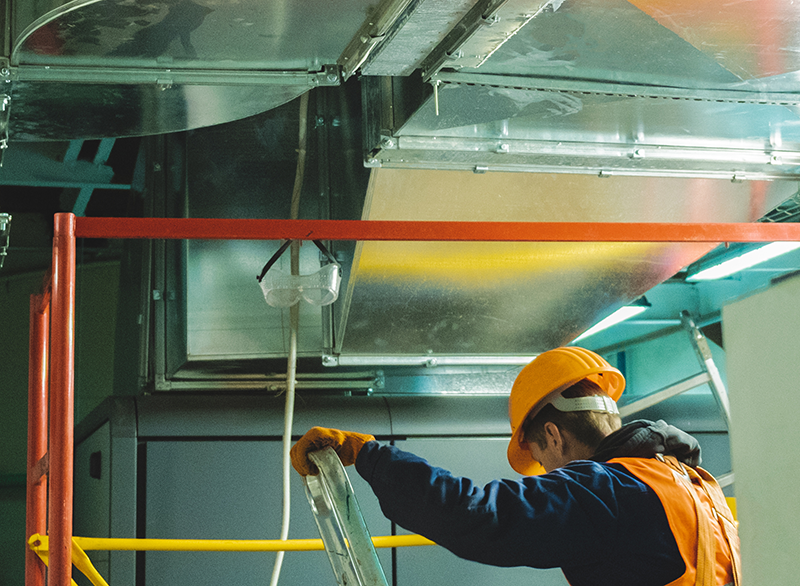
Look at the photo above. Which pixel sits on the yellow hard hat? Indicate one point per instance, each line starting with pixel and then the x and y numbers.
pixel 549 373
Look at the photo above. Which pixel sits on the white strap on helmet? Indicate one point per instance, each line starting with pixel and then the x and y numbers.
pixel 601 403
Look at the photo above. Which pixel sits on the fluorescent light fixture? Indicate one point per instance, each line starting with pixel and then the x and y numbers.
pixel 623 313
pixel 724 267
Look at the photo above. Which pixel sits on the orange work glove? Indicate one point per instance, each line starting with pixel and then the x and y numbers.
pixel 346 444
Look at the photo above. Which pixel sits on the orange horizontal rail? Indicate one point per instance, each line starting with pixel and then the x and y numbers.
pixel 248 229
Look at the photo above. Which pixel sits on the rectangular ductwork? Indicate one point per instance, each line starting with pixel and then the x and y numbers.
pixel 481 298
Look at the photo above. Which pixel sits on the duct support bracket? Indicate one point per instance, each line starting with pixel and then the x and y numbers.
pixel 328 75
pixel 348 383
pixel 379 27
pixel 537 83
pixel 450 49
pixel 486 28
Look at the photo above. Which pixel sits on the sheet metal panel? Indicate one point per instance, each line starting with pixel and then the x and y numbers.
pixel 253 416
pixel 246 169
pixel 60 111
pixel 611 87
pixel 602 39
pixel 282 34
pixel 112 68
pixel 752 39
pixel 422 298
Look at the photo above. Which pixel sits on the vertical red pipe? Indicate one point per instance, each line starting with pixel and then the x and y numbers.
pixel 62 400
pixel 36 496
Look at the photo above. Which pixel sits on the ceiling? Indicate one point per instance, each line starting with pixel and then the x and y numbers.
pixel 559 110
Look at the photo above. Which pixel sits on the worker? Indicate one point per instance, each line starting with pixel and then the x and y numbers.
pixel 609 504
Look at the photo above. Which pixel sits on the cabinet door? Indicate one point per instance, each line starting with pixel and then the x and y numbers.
pixel 481 460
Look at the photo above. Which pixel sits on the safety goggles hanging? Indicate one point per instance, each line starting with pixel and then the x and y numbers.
pixel 284 290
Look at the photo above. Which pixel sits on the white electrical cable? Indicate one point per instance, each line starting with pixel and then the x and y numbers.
pixel 294 326
pixel 294 314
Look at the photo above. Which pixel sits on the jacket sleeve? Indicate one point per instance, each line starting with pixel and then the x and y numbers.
pixel 555 520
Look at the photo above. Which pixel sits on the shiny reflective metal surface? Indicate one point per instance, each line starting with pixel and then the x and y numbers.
pixel 686 106
pixel 519 298
pixel 610 40
pixel 414 32
pixel 750 39
pixel 43 110
pixel 696 89
pixel 510 128
pixel 188 33
pixel 246 169
pixel 227 317
pixel 111 68
pixel 486 28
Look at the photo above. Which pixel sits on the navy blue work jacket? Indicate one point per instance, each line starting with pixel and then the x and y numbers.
pixel 596 521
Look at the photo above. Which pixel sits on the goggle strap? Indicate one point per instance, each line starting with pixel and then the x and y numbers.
pixel 273 260
pixel 601 403
pixel 283 248
pixel 325 251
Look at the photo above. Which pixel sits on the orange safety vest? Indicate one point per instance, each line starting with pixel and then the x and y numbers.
pixel 698 516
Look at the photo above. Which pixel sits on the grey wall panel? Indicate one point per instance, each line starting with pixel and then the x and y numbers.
pixel 449 415
pixel 215 415
pixel 232 490
pixel 481 460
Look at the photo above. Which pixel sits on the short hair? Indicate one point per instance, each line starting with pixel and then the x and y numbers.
pixel 588 427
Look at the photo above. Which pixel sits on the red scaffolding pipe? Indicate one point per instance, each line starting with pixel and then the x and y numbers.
pixel 243 229
pixel 62 395
pixel 36 496
pixel 61 307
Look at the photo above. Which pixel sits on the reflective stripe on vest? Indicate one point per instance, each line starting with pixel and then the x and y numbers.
pixel 710 547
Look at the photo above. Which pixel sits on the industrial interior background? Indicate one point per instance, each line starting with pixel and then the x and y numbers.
pixel 487 110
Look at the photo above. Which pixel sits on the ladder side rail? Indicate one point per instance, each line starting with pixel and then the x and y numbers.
pixel 704 356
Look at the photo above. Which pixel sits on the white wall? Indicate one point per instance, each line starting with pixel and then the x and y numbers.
pixel 763 357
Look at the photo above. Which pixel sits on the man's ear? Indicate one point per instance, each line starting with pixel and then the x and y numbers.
pixel 553 435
